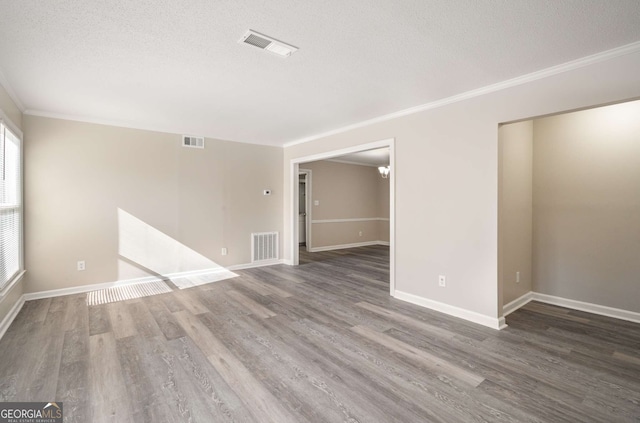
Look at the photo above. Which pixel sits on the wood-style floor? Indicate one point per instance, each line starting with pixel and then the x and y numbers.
pixel 322 342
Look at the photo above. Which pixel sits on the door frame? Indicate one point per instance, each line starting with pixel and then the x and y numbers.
pixel 294 170
pixel 308 208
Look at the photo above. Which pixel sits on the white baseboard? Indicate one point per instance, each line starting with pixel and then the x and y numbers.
pixel 7 288
pixel 343 246
pixel 601 310
pixel 471 316
pixel 95 287
pixel 11 315
pixel 8 319
pixel 262 263
pixel 87 288
pixel 507 309
pixel 617 313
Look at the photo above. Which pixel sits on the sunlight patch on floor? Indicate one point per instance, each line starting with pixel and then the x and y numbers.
pixel 127 292
pixel 189 281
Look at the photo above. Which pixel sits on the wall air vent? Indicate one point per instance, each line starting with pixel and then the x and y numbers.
pixel 266 43
pixel 192 142
pixel 264 246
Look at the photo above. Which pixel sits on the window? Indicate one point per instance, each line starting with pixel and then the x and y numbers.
pixel 10 206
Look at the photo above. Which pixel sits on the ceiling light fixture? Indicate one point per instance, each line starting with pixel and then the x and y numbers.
pixel 384 171
pixel 267 43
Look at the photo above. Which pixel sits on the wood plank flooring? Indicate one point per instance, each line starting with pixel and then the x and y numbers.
pixel 321 342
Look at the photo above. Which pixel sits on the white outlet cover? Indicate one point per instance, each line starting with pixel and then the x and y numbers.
pixel 442 280
pixel 316 202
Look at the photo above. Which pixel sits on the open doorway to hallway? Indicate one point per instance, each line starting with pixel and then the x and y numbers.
pixel 343 201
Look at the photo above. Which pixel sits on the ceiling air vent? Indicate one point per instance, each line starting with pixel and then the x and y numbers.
pixel 266 43
pixel 193 142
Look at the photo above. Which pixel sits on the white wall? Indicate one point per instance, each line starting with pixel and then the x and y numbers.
pixel 516 209
pixel 587 206
pixel 134 203
pixel 446 169
pixel 9 108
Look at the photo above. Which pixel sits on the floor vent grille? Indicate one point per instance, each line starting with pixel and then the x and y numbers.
pixel 126 292
pixel 264 246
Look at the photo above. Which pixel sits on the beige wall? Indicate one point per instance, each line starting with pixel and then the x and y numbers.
pixel 133 203
pixel 9 297
pixel 347 191
pixel 446 176
pixel 343 233
pixel 516 208
pixel 586 239
pixel 383 207
pixel 10 108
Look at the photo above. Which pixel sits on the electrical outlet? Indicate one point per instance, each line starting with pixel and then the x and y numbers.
pixel 517 277
pixel 224 251
pixel 442 280
pixel 81 265
pixel 360 233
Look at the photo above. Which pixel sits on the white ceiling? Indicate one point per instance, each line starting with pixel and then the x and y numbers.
pixel 176 66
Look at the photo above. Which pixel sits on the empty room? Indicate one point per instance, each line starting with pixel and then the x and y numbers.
pixel 407 211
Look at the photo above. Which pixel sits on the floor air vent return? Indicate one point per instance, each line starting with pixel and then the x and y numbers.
pixel 264 246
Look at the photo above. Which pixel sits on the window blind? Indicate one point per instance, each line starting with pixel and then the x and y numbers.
pixel 10 206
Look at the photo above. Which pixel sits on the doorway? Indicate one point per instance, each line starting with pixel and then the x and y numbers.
pixel 295 227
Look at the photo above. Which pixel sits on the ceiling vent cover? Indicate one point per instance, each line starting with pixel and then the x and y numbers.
pixel 192 142
pixel 256 40
pixel 266 43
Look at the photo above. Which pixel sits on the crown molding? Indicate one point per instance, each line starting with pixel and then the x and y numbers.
pixel 530 77
pixel 519 80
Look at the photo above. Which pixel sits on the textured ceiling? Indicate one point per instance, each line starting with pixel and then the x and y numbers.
pixel 176 66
